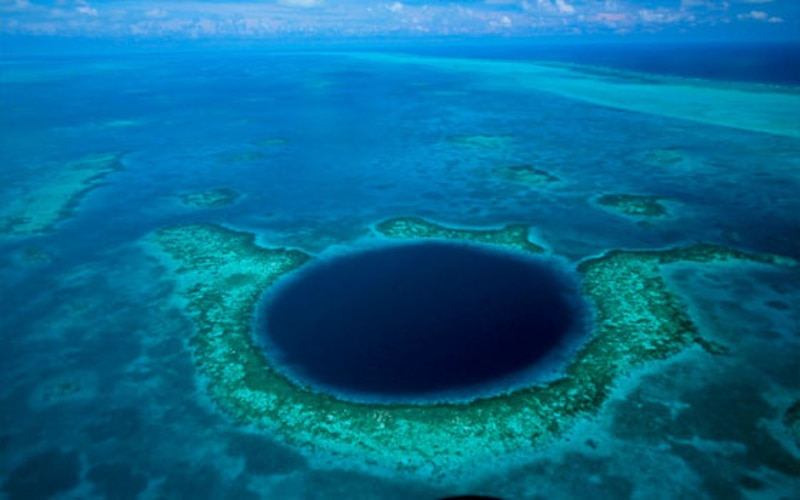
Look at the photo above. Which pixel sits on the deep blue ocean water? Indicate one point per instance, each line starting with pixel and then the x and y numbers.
pixel 101 397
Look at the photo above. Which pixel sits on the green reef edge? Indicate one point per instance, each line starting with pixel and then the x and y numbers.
pixel 222 274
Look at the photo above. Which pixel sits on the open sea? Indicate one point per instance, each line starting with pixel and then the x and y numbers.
pixel 153 200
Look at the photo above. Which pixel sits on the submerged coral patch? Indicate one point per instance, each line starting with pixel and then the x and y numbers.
pixel 633 204
pixel 662 157
pixel 527 174
pixel 50 196
pixel 214 198
pixel 34 256
pixel 271 142
pixel 222 274
pixel 482 141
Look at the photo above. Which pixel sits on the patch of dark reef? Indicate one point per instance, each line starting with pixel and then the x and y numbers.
pixel 423 323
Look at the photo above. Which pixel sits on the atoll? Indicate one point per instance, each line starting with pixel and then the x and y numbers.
pixel 222 274
pixel 633 204
pixel 51 196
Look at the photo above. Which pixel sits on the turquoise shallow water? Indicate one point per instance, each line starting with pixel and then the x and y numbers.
pixel 101 394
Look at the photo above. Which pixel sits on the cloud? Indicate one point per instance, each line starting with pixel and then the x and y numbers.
pixel 80 6
pixel 548 6
pixel 710 5
pixel 305 4
pixel 759 15
pixel 663 16
pixel 14 4
pixel 564 7
pixel 611 18
pixel 754 14
pixel 156 13
pixel 274 18
pixel 86 10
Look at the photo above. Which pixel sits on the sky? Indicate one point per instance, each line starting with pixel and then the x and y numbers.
pixel 193 19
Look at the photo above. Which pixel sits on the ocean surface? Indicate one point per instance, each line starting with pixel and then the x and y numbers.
pixel 595 150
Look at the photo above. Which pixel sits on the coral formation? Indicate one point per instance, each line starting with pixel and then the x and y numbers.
pixel 51 196
pixel 222 273
pixel 663 157
pixel 527 174
pixel 633 204
pixel 213 198
pixel 271 142
pixel 244 156
pixel 35 256
pixel 409 228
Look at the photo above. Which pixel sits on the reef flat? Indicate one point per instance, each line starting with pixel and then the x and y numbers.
pixel 222 273
pixel 49 197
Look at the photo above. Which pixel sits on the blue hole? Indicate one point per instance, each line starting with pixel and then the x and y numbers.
pixel 423 319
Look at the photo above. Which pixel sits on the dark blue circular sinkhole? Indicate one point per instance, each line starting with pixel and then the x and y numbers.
pixel 407 322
